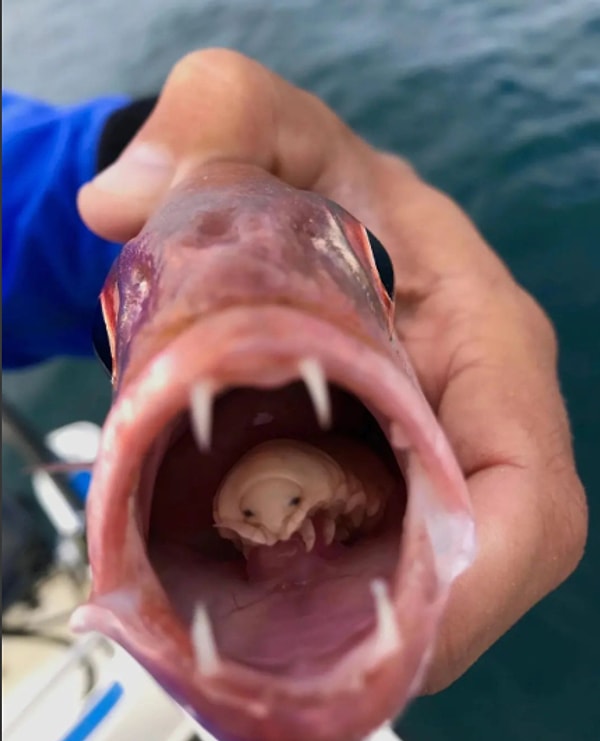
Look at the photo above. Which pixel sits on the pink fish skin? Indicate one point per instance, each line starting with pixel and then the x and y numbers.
pixel 234 281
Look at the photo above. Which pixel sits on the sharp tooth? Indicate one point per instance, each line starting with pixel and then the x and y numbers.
pixel 201 406
pixel 207 654
pixel 354 508
pixel 388 635
pixel 267 539
pixel 307 532
pixel 328 530
pixel 358 499
pixel 316 383
pixel 357 515
pixel 373 506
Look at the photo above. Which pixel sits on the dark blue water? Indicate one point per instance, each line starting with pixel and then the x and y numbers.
pixel 496 102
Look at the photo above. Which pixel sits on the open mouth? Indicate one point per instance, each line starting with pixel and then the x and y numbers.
pixel 295 607
pixel 316 607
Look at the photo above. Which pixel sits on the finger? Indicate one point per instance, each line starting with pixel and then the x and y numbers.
pixel 216 104
pixel 504 416
pixel 520 560
pixel 486 356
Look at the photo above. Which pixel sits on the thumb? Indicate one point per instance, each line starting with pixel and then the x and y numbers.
pixel 219 105
pixel 209 108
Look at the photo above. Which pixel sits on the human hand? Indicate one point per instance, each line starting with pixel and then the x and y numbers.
pixel 484 351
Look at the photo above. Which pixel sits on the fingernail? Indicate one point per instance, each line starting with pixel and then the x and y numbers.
pixel 140 172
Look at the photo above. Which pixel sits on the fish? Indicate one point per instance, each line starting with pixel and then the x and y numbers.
pixel 246 312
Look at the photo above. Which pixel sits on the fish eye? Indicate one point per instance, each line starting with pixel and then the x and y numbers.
pixel 100 340
pixel 295 501
pixel 383 263
pixel 248 513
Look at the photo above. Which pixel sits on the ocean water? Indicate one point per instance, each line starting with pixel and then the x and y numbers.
pixel 496 102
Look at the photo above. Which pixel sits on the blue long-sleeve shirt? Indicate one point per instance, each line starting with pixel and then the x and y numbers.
pixel 53 267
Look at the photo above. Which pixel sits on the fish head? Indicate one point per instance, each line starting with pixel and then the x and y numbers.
pixel 247 241
pixel 247 311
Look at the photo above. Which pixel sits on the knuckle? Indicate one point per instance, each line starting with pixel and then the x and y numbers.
pixel 400 169
pixel 570 528
pixel 225 98
pixel 213 57
pixel 186 67
pixel 539 321
pixel 230 67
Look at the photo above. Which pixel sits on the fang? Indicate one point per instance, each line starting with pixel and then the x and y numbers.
pixel 388 635
pixel 316 383
pixel 207 654
pixel 307 532
pixel 201 408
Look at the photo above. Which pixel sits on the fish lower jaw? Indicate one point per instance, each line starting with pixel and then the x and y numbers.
pixel 373 673
pixel 348 674
pixel 227 683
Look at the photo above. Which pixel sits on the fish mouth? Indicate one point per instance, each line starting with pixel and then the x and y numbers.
pixel 287 642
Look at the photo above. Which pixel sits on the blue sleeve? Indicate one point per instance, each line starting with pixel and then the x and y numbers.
pixel 53 267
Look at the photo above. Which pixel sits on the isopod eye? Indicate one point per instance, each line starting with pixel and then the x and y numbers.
pixel 248 513
pixel 295 501
pixel 383 263
pixel 100 340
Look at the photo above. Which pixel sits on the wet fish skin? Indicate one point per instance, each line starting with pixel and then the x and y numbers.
pixel 230 247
